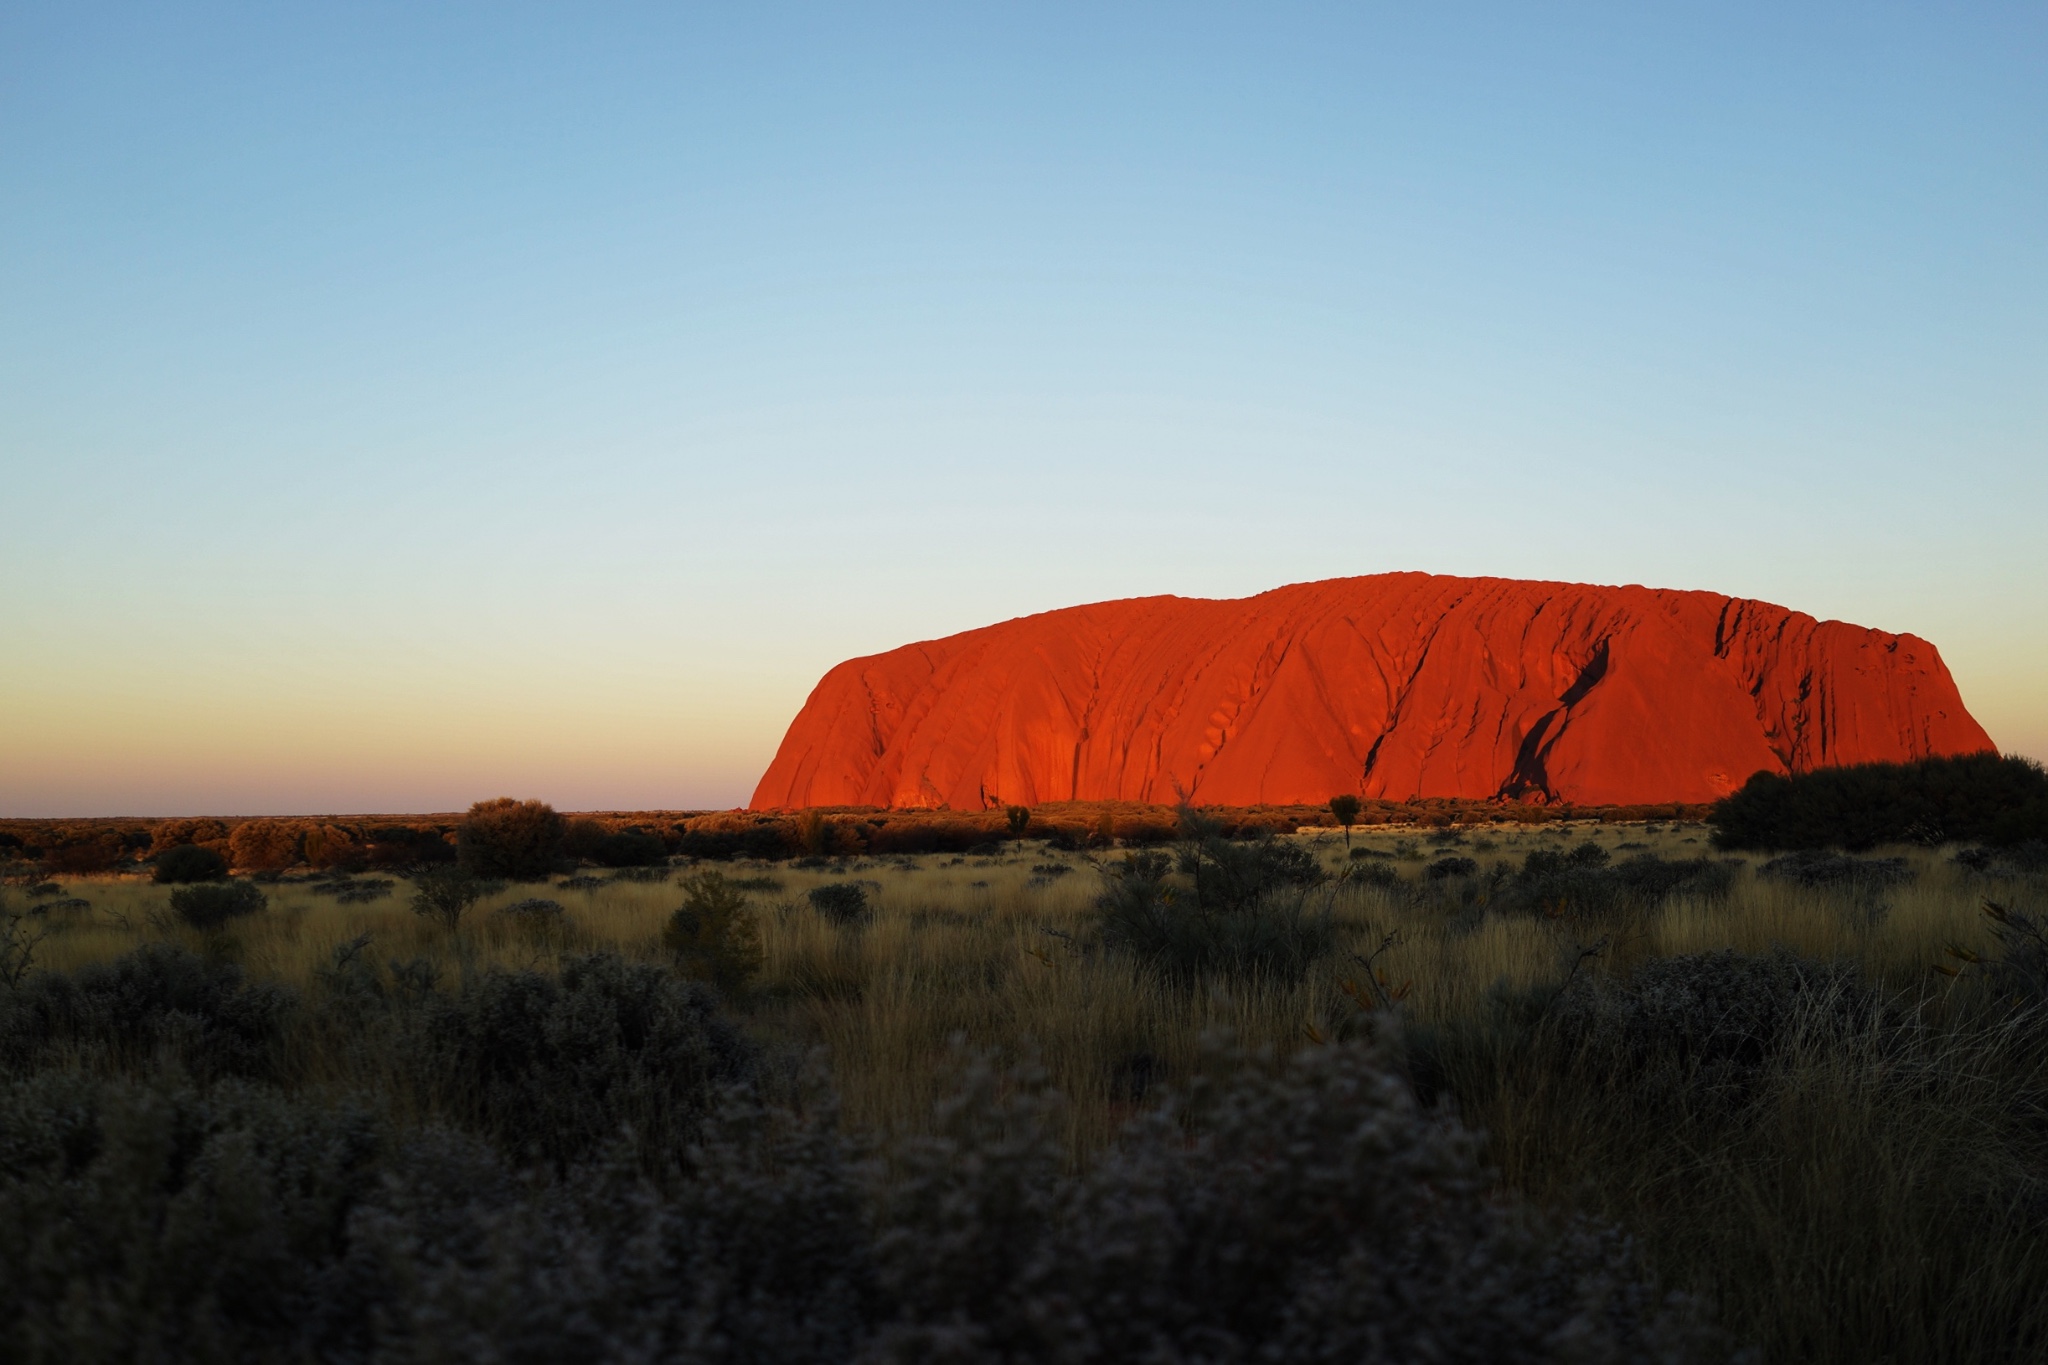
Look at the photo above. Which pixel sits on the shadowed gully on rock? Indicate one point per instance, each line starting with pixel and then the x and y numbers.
pixel 1395 686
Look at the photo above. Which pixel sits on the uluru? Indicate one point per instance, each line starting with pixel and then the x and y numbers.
pixel 1394 686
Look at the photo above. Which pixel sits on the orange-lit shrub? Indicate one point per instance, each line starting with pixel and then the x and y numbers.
pixel 266 845
pixel 331 846
pixel 509 838
pixel 178 833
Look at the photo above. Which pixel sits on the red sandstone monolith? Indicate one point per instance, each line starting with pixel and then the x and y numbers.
pixel 1394 686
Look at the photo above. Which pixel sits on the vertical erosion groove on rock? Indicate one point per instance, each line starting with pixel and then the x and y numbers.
pixel 1394 686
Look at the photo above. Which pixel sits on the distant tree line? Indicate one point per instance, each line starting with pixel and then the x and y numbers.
pixel 1976 798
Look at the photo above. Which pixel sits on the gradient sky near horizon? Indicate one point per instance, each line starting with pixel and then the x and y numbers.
pixel 404 404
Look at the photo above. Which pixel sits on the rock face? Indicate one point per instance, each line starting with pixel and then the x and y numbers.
pixel 1395 686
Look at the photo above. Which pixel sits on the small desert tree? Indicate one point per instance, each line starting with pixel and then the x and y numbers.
pixel 444 894
pixel 1345 807
pixel 713 936
pixel 512 839
pixel 1020 820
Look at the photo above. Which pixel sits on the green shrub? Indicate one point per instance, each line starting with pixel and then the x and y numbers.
pixel 1983 798
pixel 513 840
pixel 189 863
pixel 713 935
pixel 209 905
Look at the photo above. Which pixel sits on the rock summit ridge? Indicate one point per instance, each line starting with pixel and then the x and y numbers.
pixel 1396 686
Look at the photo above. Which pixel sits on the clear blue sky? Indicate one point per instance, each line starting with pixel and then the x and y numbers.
pixel 405 404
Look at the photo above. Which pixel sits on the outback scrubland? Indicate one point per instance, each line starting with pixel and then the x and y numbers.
pixel 1504 1091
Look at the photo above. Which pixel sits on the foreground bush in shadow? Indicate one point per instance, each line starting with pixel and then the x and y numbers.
pixel 1315 1212
pixel 1829 1160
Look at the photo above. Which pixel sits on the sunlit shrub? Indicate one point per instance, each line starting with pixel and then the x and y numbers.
pixel 266 845
pixel 508 839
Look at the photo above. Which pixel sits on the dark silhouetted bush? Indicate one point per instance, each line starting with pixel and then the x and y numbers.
pixel 589 841
pixel 1977 798
pixel 404 847
pixel 511 840
pixel 1344 809
pixel 1450 867
pixel 209 905
pixel 841 902
pixel 767 842
pixel 184 863
pixel 1018 818
pixel 629 848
